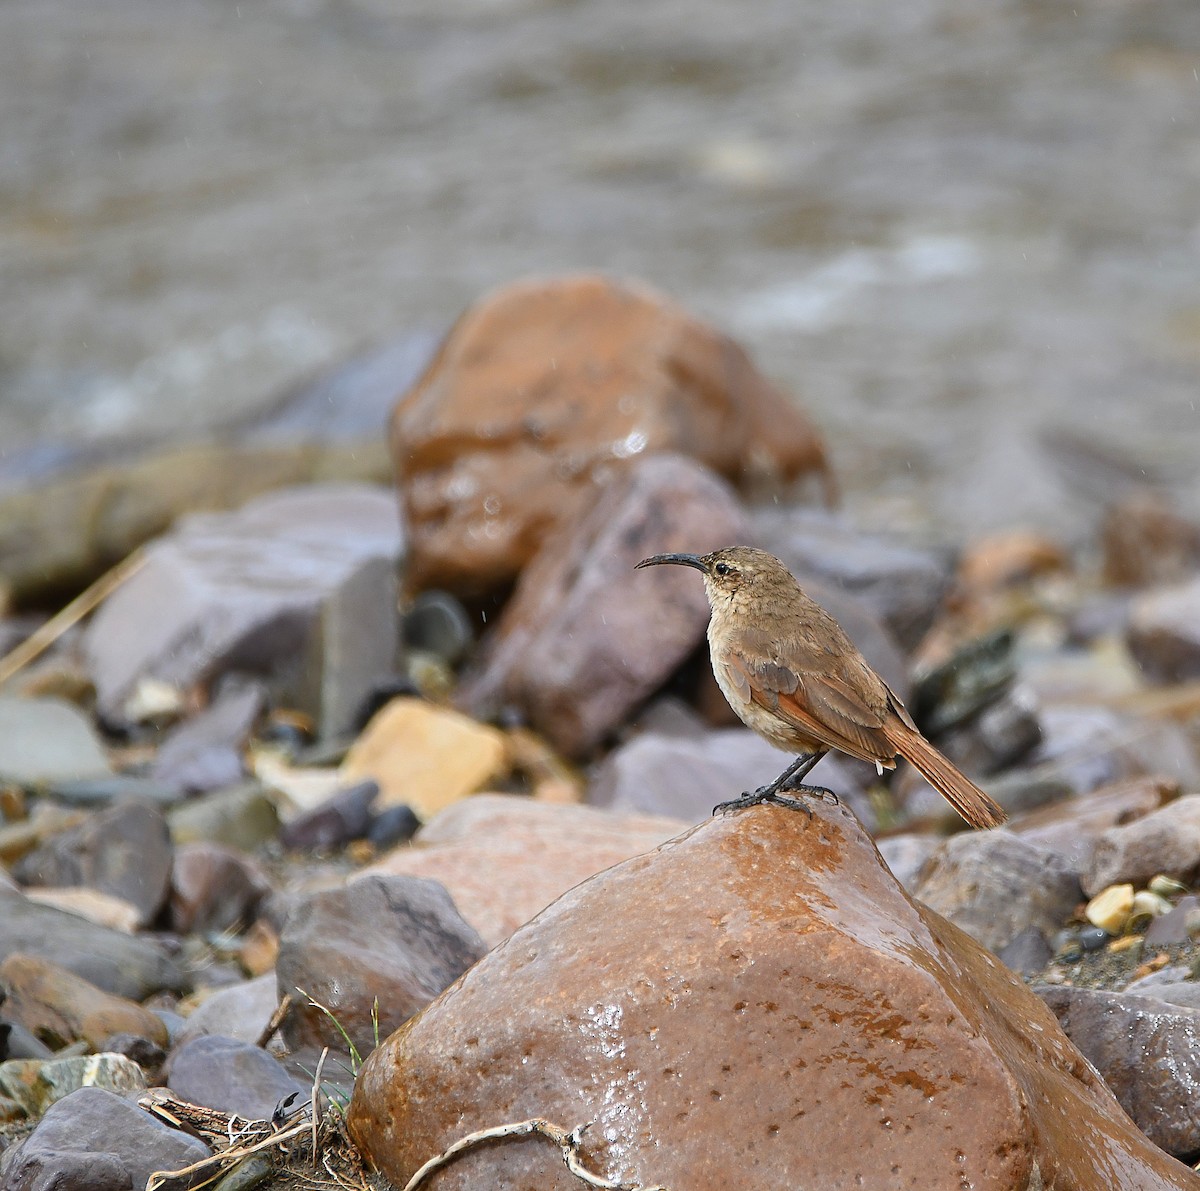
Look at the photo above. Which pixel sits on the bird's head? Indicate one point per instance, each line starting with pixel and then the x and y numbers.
pixel 730 571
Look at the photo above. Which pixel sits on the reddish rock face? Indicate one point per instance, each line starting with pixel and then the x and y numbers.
pixel 542 389
pixel 755 1004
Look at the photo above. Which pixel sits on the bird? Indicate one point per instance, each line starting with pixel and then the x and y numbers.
pixel 791 674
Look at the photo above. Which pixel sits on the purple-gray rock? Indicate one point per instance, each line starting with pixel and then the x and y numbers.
pixel 398 939
pixel 94 1140
pixel 124 851
pixel 1147 1052
pixel 247 591
pixel 214 888
pixel 1177 925
pixel 1003 734
pixel 1071 827
pixel 205 752
pixel 230 1075
pixel 130 966
pixel 584 639
pixel 344 816
pixel 994 884
pixel 902 585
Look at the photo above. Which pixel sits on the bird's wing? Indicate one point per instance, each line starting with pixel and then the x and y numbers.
pixel 838 700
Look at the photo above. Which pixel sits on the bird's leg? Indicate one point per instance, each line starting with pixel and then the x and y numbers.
pixel 770 793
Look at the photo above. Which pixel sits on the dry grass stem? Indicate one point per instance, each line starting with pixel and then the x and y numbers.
pixel 39 641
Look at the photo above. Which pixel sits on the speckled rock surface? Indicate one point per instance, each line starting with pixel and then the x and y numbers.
pixel 759 1004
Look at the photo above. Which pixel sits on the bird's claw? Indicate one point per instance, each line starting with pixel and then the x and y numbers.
pixel 771 794
pixel 763 794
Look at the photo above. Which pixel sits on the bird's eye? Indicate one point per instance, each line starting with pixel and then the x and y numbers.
pixel 722 568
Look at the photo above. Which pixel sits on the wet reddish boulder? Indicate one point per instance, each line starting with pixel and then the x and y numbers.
pixel 584 639
pixel 543 389
pixel 755 1004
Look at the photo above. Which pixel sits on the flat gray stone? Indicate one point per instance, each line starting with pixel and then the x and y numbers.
pixel 230 1075
pixel 95 1140
pixel 48 740
pixel 685 776
pixel 128 965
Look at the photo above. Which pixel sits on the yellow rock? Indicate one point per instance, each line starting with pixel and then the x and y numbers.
pixel 427 757
pixel 1110 908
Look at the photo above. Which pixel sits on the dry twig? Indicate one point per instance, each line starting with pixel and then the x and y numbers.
pixel 567 1140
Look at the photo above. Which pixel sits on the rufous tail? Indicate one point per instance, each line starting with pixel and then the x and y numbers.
pixel 956 788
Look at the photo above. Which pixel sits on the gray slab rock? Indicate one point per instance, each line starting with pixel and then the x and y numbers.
pixel 684 777
pixel 48 740
pixel 94 1140
pixel 994 885
pixel 400 939
pixel 125 851
pixel 1148 1053
pixel 128 965
pixel 231 1075
pixel 246 591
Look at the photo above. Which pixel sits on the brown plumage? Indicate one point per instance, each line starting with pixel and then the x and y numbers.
pixel 792 674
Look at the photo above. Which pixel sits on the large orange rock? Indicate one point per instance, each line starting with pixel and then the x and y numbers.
pixel 755 1004
pixel 542 389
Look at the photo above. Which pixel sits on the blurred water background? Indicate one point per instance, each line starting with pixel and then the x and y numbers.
pixel 964 233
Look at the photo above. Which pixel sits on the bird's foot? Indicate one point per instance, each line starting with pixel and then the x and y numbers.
pixel 762 795
pixel 774 794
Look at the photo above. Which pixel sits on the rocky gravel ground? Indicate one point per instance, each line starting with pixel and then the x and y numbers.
pixel 395 804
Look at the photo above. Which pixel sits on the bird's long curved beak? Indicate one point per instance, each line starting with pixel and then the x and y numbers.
pixel 683 560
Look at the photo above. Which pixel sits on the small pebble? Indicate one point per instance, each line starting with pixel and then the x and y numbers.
pixel 1092 938
pixel 1126 943
pixel 1166 886
pixel 393 825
